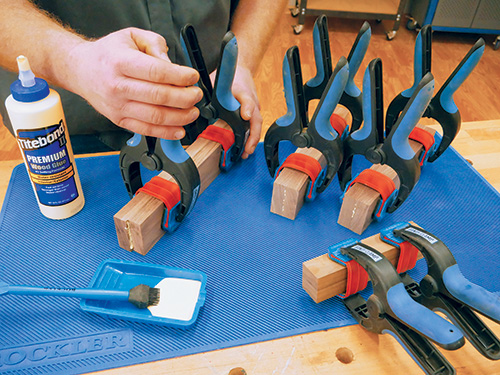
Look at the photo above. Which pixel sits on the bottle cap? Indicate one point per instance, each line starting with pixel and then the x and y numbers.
pixel 28 88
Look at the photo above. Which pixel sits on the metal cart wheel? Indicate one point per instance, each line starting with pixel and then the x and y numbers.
pixel 496 43
pixel 411 24
pixel 391 35
pixel 295 11
pixel 297 29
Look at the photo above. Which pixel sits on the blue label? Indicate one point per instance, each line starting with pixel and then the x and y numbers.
pixel 66 350
pixel 49 166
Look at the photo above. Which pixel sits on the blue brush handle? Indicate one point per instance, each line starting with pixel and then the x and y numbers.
pixel 421 319
pixel 224 81
pixel 98 294
pixel 410 117
pixel 355 58
pixel 471 294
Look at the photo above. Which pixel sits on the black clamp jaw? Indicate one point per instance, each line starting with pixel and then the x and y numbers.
pixel 332 87
pixel 391 310
pixel 442 107
pixel 445 289
pixel 156 155
pixel 218 102
pixel 393 150
pixel 295 127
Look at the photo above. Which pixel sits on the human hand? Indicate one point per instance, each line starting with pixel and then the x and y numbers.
pixel 127 77
pixel 245 92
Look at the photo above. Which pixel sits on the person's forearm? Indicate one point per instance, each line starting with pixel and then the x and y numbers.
pixel 25 30
pixel 253 24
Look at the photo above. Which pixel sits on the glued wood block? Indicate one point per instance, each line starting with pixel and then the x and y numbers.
pixel 323 278
pixel 360 201
pixel 138 223
pixel 289 188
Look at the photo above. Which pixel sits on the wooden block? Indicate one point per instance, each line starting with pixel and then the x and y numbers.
pixel 360 201
pixel 289 188
pixel 323 278
pixel 138 223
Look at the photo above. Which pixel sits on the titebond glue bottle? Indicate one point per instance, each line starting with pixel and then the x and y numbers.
pixel 37 117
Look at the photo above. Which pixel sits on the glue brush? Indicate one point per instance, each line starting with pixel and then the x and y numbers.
pixel 142 296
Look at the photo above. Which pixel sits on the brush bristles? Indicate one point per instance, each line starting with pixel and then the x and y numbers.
pixel 143 296
pixel 154 296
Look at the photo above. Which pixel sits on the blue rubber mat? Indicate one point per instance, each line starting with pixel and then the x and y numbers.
pixel 252 259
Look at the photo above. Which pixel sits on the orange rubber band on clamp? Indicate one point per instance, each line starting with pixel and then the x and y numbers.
pixel 425 139
pixel 379 182
pixel 223 136
pixel 338 123
pixel 357 277
pixel 303 163
pixel 166 191
pixel 408 255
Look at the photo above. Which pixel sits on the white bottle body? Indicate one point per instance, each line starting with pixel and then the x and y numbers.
pixel 43 139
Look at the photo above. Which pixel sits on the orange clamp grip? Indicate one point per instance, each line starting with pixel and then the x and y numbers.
pixel 338 123
pixel 223 136
pixel 407 257
pixel 424 138
pixel 357 277
pixel 377 181
pixel 166 191
pixel 303 163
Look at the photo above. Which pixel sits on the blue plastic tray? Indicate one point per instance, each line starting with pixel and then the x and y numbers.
pixel 124 275
pixel 252 259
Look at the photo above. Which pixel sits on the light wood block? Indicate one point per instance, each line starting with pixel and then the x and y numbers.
pixel 360 201
pixel 138 223
pixel 323 278
pixel 289 188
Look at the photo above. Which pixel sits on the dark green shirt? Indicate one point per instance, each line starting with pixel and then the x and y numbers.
pixel 96 18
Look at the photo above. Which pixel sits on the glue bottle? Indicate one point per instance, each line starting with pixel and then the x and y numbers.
pixel 37 117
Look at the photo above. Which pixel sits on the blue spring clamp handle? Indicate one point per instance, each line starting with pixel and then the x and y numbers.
pixel 422 61
pixel 394 150
pixel 391 310
pixel 295 127
pixel 351 97
pixel 313 89
pixel 442 107
pixel 161 154
pixel 218 102
pixel 445 289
